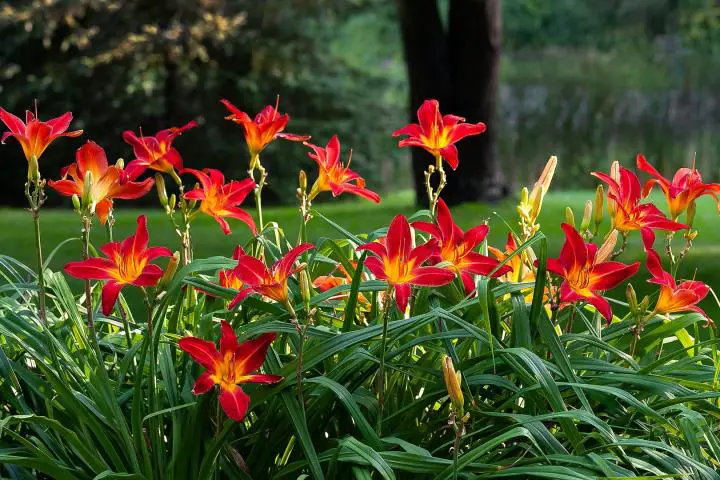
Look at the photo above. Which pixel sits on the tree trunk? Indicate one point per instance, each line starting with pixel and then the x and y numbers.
pixel 460 69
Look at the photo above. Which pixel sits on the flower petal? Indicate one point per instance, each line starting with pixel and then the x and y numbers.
pixel 234 403
pixel 202 351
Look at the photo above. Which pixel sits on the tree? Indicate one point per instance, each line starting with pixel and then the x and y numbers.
pixel 458 64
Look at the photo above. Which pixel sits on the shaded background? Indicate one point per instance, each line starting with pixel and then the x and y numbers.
pixel 590 81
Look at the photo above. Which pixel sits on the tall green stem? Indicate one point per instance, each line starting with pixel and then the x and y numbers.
pixel 256 165
pixel 35 199
pixel 387 299
pixel 86 225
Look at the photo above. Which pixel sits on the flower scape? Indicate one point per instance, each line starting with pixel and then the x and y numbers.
pixel 417 350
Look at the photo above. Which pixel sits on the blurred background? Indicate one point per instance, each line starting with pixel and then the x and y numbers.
pixel 589 81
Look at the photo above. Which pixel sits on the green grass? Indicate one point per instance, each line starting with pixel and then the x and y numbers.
pixel 358 217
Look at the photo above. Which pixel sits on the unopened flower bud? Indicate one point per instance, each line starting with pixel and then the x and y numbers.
pixel 76 202
pixel 172 201
pixel 587 215
pixel 305 286
pixel 302 180
pixel 87 196
pixel 606 249
pixel 452 383
pixel 169 272
pixel 644 304
pixel 569 217
pixel 599 201
pixel 162 192
pixel 631 299
pixel 691 213
pixel 120 164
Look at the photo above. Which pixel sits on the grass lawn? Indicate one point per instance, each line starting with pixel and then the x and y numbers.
pixel 17 239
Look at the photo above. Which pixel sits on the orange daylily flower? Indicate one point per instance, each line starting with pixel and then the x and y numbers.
pixel 520 270
pixel 126 263
pixel 438 133
pixel 686 187
pixel 585 273
pixel 230 367
pixel 674 297
pixel 326 282
pixel 458 247
pixel 401 265
pixel 156 153
pixel 267 125
pixel 108 182
pixel 626 211
pixel 334 176
pixel 35 135
pixel 270 282
pixel 219 199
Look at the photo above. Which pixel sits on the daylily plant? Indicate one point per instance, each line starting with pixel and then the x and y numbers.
pixel 230 367
pixel 157 152
pixel 401 265
pixel 126 263
pixel 334 176
pixel 458 248
pixel 585 274
pixel 108 182
pixel 219 199
pixel 438 133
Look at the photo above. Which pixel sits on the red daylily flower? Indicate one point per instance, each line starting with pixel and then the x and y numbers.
pixel 674 297
pixel 438 133
pixel 267 125
pixel 156 153
pixel 585 274
pixel 229 278
pixel 270 282
pixel 127 263
pixel 626 211
pixel 401 265
pixel 334 176
pixel 457 247
pixel 108 182
pixel 219 199
pixel 230 367
pixel 33 134
pixel 686 186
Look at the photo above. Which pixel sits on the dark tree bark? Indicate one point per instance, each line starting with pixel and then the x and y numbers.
pixel 460 68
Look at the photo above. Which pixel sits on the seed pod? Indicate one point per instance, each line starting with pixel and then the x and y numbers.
pixel 172 201
pixel 33 169
pixel 569 217
pixel 452 383
pixel 587 215
pixel 302 180
pixel 161 191
pixel 691 213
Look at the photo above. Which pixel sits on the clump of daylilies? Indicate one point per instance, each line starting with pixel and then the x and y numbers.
pixel 432 253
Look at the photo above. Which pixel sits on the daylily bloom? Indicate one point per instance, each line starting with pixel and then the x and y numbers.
pixel 674 297
pixel 156 153
pixel 270 282
pixel 399 264
pixel 586 273
pixel 229 278
pixel 35 135
pixel 438 133
pixel 334 176
pixel 520 270
pixel 108 182
pixel 127 263
pixel 686 187
pixel 325 282
pixel 267 125
pixel 457 247
pixel 219 199
pixel 230 367
pixel 626 211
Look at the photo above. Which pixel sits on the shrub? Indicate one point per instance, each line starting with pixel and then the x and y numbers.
pixel 343 358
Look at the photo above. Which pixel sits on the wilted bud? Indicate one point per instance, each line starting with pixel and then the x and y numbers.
pixel 120 164
pixel 452 383
pixel 599 201
pixel 691 235
pixel 305 286
pixel 691 213
pixel 87 197
pixel 302 180
pixel 33 169
pixel 162 192
pixel 169 272
pixel 76 202
pixel 606 250
pixel 587 216
pixel 569 217
pixel 632 298
pixel 172 201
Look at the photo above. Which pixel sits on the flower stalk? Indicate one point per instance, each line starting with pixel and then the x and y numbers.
pixel 387 307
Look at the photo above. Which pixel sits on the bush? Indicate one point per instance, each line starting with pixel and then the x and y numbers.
pixel 342 358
